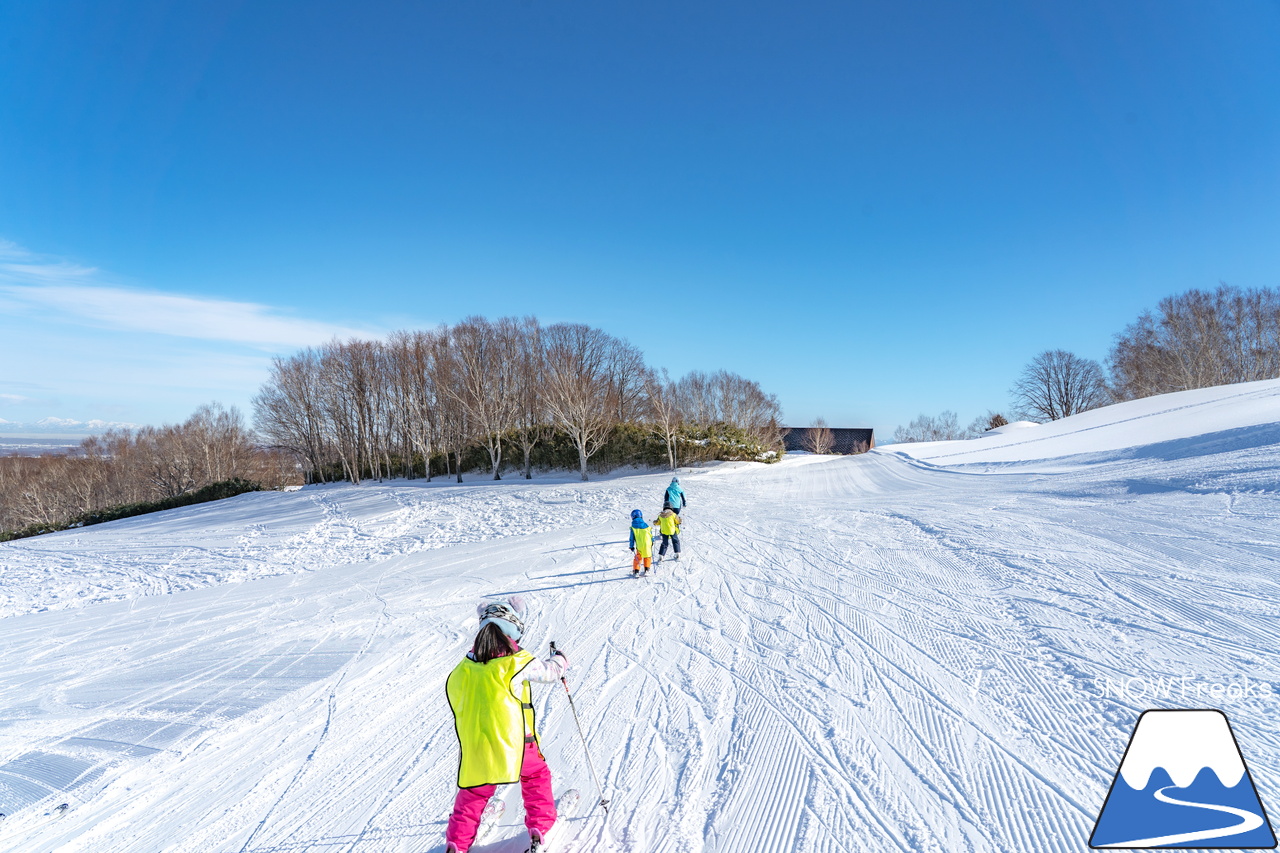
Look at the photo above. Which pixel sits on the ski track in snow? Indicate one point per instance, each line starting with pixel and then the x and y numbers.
pixel 853 654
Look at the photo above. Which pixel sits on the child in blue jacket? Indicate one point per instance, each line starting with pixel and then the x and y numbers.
pixel 673 497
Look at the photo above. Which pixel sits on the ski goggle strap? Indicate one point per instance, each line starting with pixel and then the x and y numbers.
pixel 505 618
pixel 509 628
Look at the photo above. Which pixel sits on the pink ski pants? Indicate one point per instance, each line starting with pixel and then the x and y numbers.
pixel 535 788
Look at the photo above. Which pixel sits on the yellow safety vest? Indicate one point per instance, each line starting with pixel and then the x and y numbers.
pixel 668 525
pixel 644 540
pixel 493 717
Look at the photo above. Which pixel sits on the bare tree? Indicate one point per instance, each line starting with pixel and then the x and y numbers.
pixel 663 396
pixel 221 441
pixel 456 430
pixel 485 380
pixel 532 420
pixel 581 393
pixel 709 403
pixel 626 377
pixel 287 412
pixel 818 438
pixel 983 424
pixel 744 404
pixel 1058 384
pixel 414 392
pixel 944 427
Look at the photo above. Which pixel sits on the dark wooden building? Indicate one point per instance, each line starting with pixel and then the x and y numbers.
pixel 844 441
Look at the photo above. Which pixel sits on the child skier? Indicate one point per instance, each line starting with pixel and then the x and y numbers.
pixel 668 524
pixel 673 497
pixel 641 543
pixel 493 717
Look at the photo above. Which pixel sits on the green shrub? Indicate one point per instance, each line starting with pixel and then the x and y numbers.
pixel 627 444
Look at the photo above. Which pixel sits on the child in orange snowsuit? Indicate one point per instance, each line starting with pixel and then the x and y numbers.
pixel 641 542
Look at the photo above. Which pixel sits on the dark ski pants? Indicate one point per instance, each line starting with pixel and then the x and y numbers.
pixel 675 541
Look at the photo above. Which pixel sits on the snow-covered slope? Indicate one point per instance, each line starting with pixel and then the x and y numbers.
pixel 1161 420
pixel 857 654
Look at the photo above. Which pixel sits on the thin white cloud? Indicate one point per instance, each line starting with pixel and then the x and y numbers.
pixel 52 426
pixel 77 294
pixel 15 398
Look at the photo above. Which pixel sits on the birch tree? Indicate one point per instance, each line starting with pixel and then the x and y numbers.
pixel 581 395
pixel 819 438
pixel 485 380
pixel 287 412
pixel 532 420
pixel 663 397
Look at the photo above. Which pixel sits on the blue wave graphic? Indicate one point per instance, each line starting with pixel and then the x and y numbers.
pixel 1206 809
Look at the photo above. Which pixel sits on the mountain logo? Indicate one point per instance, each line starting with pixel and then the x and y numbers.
pixel 1183 783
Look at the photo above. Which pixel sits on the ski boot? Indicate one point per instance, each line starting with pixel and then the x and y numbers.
pixel 535 841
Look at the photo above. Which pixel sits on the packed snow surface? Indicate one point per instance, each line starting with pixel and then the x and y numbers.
pixel 930 648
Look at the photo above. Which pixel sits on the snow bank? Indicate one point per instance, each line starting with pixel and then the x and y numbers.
pixel 1152 420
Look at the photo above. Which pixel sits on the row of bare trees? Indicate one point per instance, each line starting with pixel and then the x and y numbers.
pixel 1196 339
pixel 122 467
pixel 357 409
pixel 946 427
pixel 1199 339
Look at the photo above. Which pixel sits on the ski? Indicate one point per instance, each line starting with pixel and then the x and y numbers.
pixel 493 812
pixel 566 805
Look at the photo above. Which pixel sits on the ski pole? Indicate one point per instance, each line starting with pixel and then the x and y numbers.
pixel 604 804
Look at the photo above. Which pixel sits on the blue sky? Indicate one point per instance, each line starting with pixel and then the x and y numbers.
pixel 874 209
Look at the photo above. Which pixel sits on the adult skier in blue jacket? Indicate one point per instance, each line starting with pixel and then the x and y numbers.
pixel 673 497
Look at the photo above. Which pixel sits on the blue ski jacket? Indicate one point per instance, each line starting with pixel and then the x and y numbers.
pixel 674 496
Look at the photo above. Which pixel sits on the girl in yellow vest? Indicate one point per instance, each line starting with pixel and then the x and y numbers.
pixel 493 717
pixel 668 524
